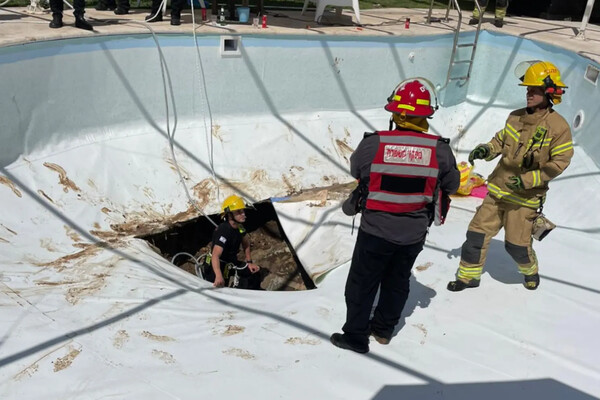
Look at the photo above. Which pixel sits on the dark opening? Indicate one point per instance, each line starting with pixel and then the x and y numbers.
pixel 402 184
pixel 230 44
pixel 280 267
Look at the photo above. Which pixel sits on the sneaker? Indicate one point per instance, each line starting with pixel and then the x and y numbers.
pixel 498 23
pixel 473 21
pixel 532 281
pixel 56 21
pixel 154 18
pixel 380 339
pixel 338 340
pixel 120 11
pixel 458 285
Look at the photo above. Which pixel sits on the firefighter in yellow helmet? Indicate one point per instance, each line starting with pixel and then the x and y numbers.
pixel 534 146
pixel 226 241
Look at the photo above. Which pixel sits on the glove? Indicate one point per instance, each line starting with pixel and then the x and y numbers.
pixel 515 183
pixel 479 153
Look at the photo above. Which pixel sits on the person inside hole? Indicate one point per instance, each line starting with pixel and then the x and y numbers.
pixel 226 269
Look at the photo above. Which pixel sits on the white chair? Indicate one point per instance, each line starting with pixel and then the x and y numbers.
pixel 321 4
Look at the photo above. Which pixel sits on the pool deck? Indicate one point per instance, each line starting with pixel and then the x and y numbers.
pixel 17 26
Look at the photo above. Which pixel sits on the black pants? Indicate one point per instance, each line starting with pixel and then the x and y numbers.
pixel 377 263
pixel 122 4
pixel 57 6
pixel 176 7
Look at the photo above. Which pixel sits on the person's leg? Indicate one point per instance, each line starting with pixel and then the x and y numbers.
pixel 176 7
pixel 371 255
pixel 155 13
pixel 57 7
pixel 483 227
pixel 104 5
pixel 476 15
pixel 122 7
pixel 518 225
pixel 80 22
pixel 395 287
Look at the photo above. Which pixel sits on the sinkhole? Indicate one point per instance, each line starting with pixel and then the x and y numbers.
pixel 281 269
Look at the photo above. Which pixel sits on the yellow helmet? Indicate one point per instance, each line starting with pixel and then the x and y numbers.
pixel 541 74
pixel 233 203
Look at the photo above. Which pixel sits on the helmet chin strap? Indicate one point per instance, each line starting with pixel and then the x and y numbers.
pixel 418 124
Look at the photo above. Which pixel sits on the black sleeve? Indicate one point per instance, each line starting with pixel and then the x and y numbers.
pixel 361 159
pixel 449 176
pixel 220 236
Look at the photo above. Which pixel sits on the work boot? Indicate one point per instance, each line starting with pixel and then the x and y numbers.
pixel 120 11
pixel 81 23
pixel 102 6
pixel 458 285
pixel 532 281
pixel 154 17
pixel 498 23
pixel 380 338
pixel 339 340
pixel 473 21
pixel 175 19
pixel 56 21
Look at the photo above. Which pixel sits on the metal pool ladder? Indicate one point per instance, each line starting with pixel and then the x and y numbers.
pixel 473 45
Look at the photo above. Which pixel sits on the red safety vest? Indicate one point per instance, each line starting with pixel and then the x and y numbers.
pixel 404 172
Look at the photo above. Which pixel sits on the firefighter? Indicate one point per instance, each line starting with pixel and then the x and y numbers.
pixel 227 238
pixel 405 167
pixel 156 11
pixel 535 146
pixel 500 12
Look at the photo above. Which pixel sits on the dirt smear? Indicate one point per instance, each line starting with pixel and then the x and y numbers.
pixel 62 177
pixel 241 353
pixel 424 267
pixel 49 245
pixel 202 191
pixel 43 194
pixel 299 340
pixel 8 229
pixel 231 330
pixel 2 240
pixel 121 337
pixel 165 357
pixel 7 182
pixel 157 338
pixel 422 328
pixel 66 361
pixel 72 234
pixel 27 372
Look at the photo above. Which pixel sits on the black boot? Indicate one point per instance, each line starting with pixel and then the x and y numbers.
pixel 121 11
pixel 498 22
pixel 154 16
pixel 105 6
pixel 532 281
pixel 458 285
pixel 339 340
pixel 473 21
pixel 56 21
pixel 81 23
pixel 175 19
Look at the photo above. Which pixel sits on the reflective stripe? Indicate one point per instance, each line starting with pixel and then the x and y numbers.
pixel 396 97
pixel 500 135
pixel 406 107
pixel 423 102
pixel 537 178
pixel 404 170
pixel 423 141
pixel 547 142
pixel 501 194
pixel 469 273
pixel 561 149
pixel 528 270
pixel 399 199
pixel 512 132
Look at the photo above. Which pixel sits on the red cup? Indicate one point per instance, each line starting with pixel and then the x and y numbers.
pixel 204 14
pixel 264 21
pixel 407 23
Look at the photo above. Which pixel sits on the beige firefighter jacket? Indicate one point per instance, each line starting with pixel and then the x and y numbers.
pixel 537 147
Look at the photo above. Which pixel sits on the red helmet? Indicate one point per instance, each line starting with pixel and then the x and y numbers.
pixel 412 98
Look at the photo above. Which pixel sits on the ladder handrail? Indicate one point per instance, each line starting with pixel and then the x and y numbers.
pixel 456 34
